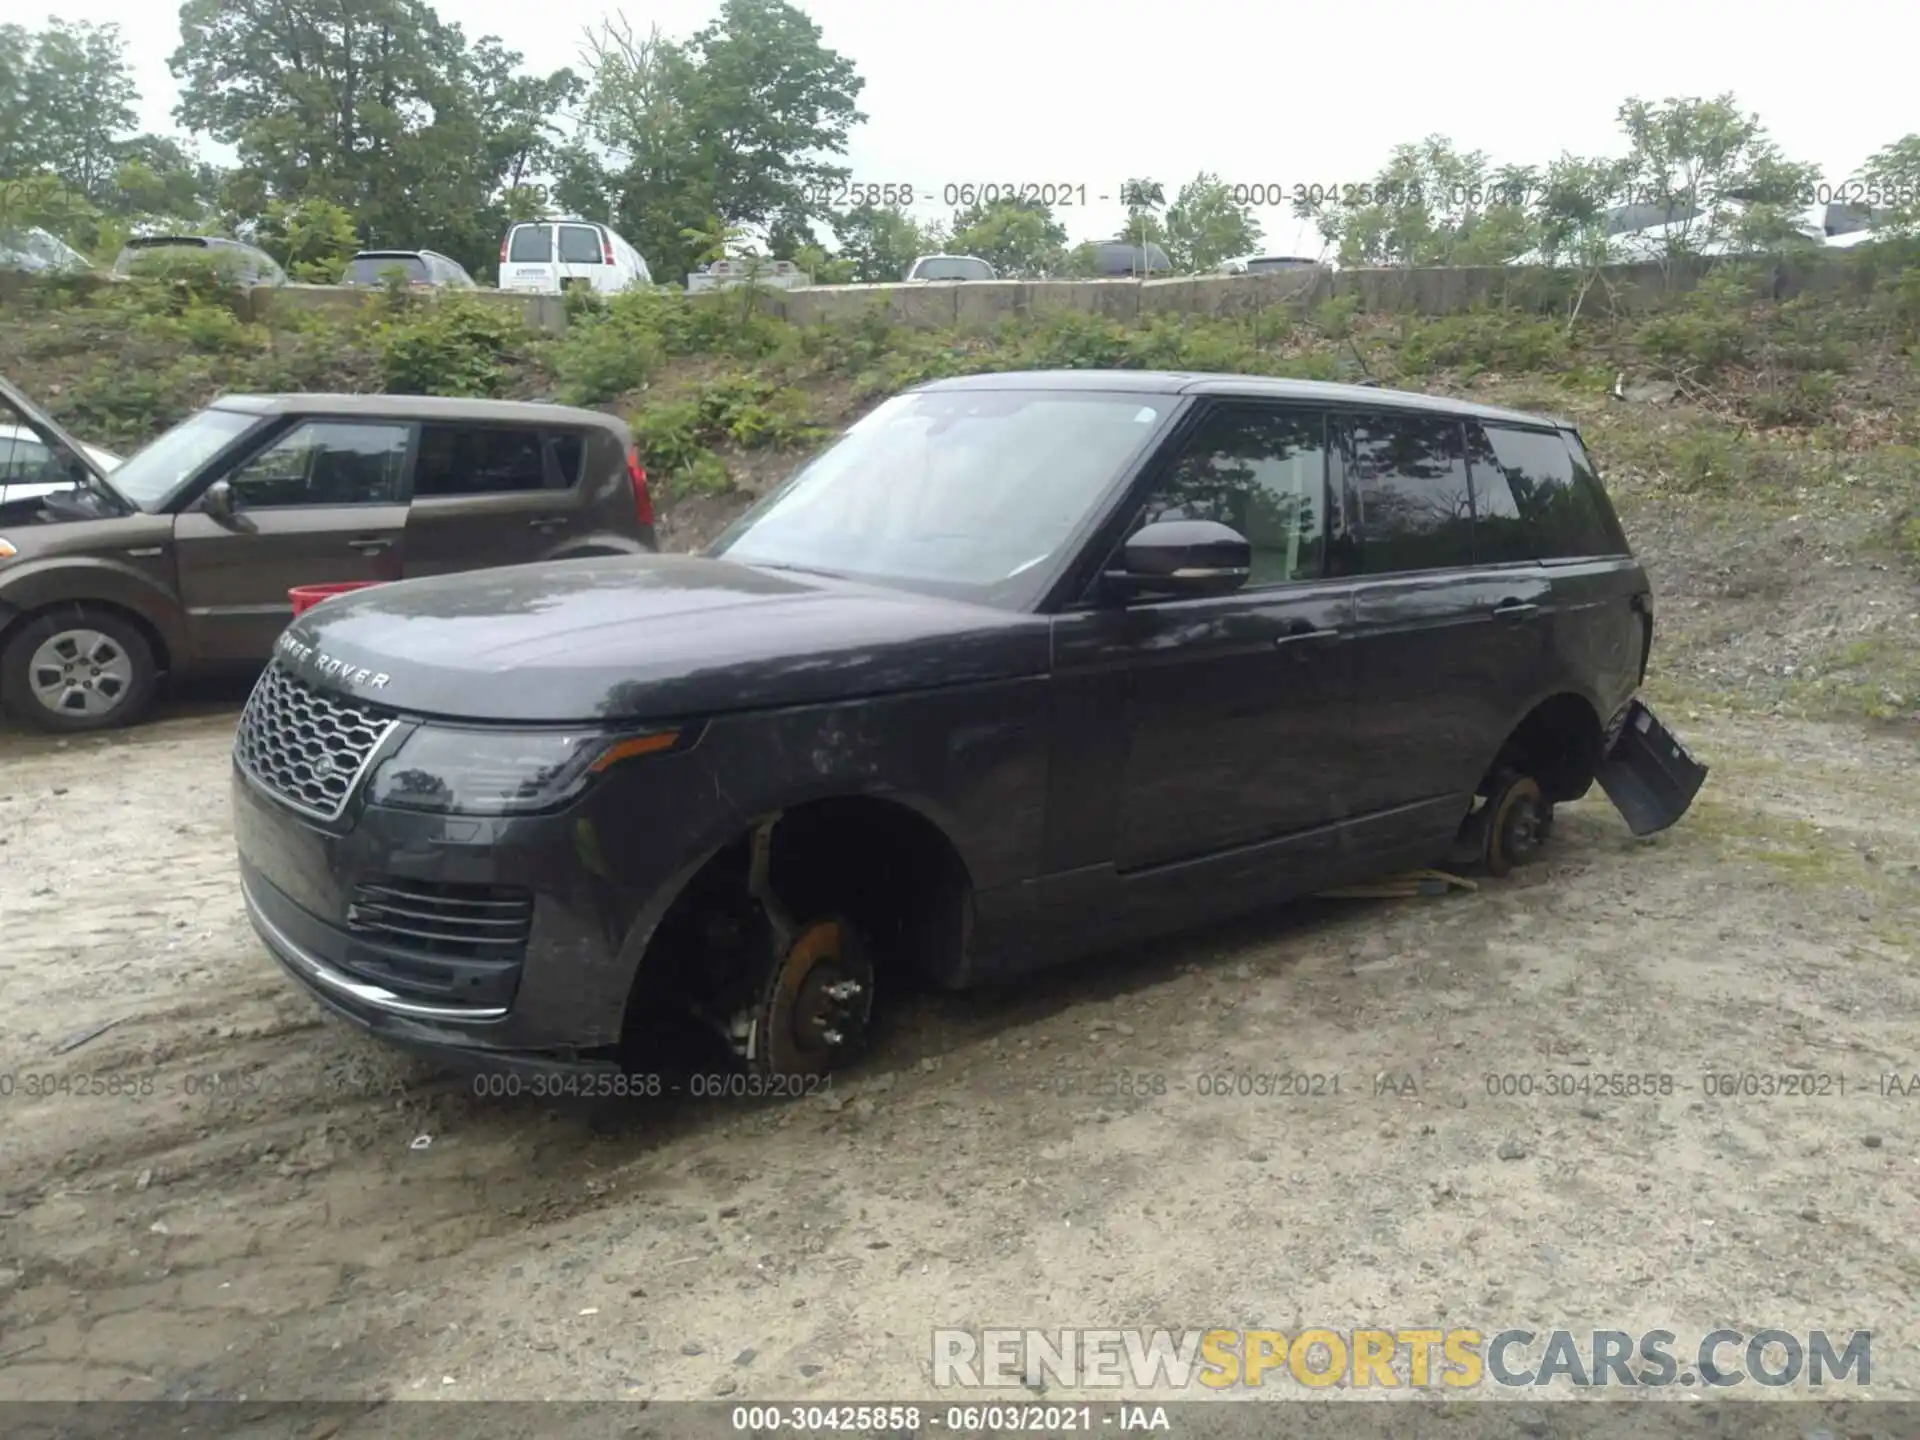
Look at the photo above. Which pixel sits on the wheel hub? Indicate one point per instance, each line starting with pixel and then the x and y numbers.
pixel 821 997
pixel 80 672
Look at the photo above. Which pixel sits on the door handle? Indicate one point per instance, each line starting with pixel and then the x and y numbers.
pixel 1515 609
pixel 1307 635
pixel 371 546
pixel 551 522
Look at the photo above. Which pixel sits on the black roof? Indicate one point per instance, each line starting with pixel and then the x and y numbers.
pixel 1262 387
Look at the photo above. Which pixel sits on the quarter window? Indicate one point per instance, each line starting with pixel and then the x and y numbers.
pixel 326 462
pixel 1263 473
pixel 1416 512
pixel 1561 507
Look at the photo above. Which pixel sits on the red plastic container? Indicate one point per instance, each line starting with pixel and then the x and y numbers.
pixel 305 597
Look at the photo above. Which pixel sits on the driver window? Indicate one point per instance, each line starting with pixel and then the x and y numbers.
pixel 1264 473
pixel 326 462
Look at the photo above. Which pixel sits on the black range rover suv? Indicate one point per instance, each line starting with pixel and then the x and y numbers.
pixel 1023 666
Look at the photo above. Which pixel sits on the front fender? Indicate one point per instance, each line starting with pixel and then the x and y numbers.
pixel 33 585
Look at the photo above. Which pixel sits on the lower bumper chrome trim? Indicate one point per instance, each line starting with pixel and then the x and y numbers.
pixel 316 971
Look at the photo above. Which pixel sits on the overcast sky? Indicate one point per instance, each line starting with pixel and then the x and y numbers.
pixel 1017 92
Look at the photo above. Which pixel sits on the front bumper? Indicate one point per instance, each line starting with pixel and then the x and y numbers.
pixel 558 1002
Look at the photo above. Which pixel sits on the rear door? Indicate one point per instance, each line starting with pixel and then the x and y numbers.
pixel 487 495
pixel 1446 651
pixel 321 503
pixel 528 262
pixel 1598 608
pixel 583 257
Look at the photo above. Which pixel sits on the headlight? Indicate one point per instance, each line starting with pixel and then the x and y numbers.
pixel 7 552
pixel 502 772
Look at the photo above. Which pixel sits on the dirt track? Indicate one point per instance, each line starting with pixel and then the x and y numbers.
pixel 986 1167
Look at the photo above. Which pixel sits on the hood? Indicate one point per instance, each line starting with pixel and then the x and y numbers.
pixel 644 638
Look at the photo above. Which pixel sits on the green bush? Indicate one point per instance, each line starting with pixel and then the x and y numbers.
pixel 445 345
pixel 1801 400
pixel 1500 341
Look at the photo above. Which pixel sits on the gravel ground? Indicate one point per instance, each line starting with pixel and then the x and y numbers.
pixel 227 1193
pixel 1045 1156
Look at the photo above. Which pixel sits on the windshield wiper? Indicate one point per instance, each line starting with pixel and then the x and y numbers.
pixel 801 569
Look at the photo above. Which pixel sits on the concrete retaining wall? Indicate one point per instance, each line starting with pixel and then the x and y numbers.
pixel 941 305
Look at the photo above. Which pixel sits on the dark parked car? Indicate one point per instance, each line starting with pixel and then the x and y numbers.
pixel 1025 665
pixel 180 558
pixel 243 264
pixel 1111 259
pixel 422 269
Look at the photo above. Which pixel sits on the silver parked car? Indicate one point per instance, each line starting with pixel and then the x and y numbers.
pixel 245 264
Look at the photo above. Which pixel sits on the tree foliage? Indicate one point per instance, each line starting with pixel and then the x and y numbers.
pixel 741 121
pixel 1206 225
pixel 1018 237
pixel 379 106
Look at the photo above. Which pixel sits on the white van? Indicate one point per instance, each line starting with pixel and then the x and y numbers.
pixel 546 257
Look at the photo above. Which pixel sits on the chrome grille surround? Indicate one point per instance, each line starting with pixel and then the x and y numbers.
pixel 306 748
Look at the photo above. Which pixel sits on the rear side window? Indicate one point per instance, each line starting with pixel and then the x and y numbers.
pixel 374 269
pixel 22 458
pixel 1562 510
pixel 1416 512
pixel 462 460
pixel 530 245
pixel 579 245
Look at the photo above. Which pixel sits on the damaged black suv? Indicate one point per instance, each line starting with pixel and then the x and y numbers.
pixel 1023 666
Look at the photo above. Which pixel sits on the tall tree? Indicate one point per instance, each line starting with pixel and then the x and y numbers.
pixel 880 242
pixel 377 105
pixel 1715 169
pixel 66 101
pixel 1206 225
pixel 1019 237
pixel 1430 204
pixel 1890 186
pixel 741 121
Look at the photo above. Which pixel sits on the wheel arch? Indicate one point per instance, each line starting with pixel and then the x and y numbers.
pixel 909 881
pixel 1557 740
pixel 156 639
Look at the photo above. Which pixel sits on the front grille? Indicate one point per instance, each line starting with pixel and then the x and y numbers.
pixel 453 921
pixel 307 748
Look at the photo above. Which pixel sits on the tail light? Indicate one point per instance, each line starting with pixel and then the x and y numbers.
pixel 606 251
pixel 642 496
pixel 503 249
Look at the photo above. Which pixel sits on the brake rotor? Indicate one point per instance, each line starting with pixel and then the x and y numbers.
pixel 814 1013
pixel 1517 826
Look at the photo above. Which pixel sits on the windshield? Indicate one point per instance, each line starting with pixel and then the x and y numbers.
pixel 958 268
pixel 373 269
pixel 959 490
pixel 150 476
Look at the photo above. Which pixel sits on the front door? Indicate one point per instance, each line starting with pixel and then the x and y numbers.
pixel 1235 708
pixel 323 504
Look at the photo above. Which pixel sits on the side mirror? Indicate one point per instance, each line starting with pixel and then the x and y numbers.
pixel 218 501
pixel 1185 558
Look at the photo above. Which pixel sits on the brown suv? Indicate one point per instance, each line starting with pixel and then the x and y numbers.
pixel 179 559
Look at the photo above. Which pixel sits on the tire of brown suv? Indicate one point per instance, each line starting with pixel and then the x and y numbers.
pixel 77 668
